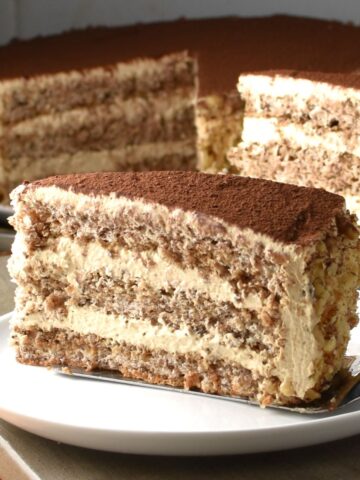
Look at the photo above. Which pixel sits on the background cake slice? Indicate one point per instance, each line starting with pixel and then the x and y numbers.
pixel 302 128
pixel 156 96
pixel 231 285
pixel 130 115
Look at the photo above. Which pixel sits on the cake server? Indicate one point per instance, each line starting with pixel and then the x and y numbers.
pixel 344 391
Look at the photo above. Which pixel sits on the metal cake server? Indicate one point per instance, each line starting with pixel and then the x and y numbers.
pixel 344 391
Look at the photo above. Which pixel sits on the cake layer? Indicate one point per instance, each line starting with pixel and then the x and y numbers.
pixel 25 98
pixel 314 101
pixel 223 199
pixel 133 122
pixel 299 164
pixel 189 370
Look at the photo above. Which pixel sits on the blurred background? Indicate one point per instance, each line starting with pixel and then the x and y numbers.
pixel 27 18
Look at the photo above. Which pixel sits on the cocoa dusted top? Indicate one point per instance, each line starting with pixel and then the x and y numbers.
pixel 286 213
pixel 224 47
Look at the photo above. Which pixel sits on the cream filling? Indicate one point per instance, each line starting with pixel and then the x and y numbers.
pixel 212 346
pixel 269 130
pixel 90 161
pixel 296 362
pixel 300 89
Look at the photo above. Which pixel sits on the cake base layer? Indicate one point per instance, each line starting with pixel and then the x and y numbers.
pixel 59 347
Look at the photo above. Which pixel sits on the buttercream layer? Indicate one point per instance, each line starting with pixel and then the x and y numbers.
pixel 264 130
pixel 135 121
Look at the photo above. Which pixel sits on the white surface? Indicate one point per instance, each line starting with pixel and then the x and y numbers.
pixel 130 419
pixel 26 18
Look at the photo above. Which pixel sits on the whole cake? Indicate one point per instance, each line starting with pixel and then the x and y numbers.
pixel 163 96
pixel 230 285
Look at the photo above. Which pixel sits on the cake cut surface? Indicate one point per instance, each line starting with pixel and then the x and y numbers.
pixel 230 285
pixel 301 127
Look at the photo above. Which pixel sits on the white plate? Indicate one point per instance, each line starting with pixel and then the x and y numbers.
pixel 131 419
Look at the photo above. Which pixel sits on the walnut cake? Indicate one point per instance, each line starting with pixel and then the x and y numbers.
pixel 226 284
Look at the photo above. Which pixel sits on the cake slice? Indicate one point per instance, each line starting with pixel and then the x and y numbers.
pixel 230 285
pixel 135 114
pixel 302 128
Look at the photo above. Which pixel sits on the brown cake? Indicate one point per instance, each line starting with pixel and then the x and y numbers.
pixel 230 285
pixel 163 96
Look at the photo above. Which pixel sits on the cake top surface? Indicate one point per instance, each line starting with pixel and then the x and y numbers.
pixel 228 45
pixel 286 213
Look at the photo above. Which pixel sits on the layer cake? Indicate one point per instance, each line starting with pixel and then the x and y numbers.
pixel 230 285
pixel 158 96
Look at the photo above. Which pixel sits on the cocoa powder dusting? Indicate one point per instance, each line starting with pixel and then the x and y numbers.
pixel 286 213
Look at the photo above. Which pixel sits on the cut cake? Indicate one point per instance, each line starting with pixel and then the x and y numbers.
pixel 230 285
